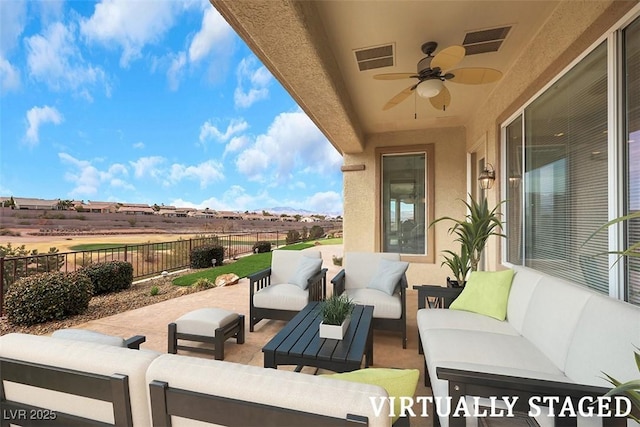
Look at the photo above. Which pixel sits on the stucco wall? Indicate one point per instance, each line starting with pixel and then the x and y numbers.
pixel 450 187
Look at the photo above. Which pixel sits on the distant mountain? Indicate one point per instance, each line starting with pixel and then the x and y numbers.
pixel 279 210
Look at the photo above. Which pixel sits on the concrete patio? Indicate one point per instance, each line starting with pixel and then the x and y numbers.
pixel 152 322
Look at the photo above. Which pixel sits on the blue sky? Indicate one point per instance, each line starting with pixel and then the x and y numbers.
pixel 151 102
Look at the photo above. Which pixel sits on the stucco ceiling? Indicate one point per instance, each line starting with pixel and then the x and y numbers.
pixel 309 46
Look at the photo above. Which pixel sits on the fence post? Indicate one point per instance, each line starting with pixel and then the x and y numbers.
pixel 125 253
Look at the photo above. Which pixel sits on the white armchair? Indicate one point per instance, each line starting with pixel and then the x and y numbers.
pixel 294 279
pixel 376 279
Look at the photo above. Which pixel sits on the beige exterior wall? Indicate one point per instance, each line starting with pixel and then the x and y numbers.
pixel 450 186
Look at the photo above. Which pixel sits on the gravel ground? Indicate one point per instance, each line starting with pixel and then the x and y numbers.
pixel 139 295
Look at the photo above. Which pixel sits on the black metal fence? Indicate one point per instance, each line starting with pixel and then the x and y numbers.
pixel 148 259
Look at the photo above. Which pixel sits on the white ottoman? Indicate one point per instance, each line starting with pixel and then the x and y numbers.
pixel 99 338
pixel 207 325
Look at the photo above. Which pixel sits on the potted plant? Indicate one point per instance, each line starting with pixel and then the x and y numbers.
pixel 336 313
pixel 472 232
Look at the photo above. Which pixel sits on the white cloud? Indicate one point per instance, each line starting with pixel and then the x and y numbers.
pixel 215 35
pixel 129 24
pixel 138 145
pixel 256 77
pixel 12 21
pixel 176 70
pixel 209 130
pixel 9 76
pixel 236 143
pixel 54 58
pixel 324 202
pixel 292 144
pixel 38 116
pixel 147 166
pixel 87 179
pixel 206 172
pixel 234 198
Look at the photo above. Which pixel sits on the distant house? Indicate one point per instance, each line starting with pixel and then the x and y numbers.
pixel 228 215
pixel 136 209
pixel 100 207
pixel 205 213
pixel 167 212
pixel 307 219
pixel 35 204
pixel 182 212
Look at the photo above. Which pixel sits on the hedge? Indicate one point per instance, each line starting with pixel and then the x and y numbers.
pixel 110 276
pixel 47 296
pixel 202 256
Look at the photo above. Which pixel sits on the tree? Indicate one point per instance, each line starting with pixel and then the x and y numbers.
pixel 27 263
pixel 316 232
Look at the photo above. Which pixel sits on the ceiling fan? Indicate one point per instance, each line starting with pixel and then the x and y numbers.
pixel 431 76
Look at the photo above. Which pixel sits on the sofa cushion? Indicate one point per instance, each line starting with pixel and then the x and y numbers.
pixel 89 336
pixel 84 357
pixel 398 383
pixel 552 316
pixel 285 262
pixel 616 325
pixel 523 285
pixel 360 267
pixel 387 275
pixel 450 319
pixel 384 306
pixel 486 292
pixel 283 389
pixel 281 297
pixel 306 268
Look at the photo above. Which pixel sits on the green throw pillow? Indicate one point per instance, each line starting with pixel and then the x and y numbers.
pixel 397 382
pixel 486 292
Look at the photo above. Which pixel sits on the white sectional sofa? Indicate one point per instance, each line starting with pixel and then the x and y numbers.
pixel 557 340
pixel 65 382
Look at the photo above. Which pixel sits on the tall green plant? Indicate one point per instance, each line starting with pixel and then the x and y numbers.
pixel 630 389
pixel 472 232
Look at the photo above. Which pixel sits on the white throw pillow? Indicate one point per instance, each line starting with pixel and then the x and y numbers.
pixel 307 267
pixel 387 276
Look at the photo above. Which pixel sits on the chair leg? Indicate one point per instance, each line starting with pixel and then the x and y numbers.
pixel 219 344
pixel 240 335
pixel 172 340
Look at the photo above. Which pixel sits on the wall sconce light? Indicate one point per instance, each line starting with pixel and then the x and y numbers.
pixel 487 176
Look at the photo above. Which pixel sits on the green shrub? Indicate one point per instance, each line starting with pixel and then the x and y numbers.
pixel 111 276
pixel 154 291
pixel 261 247
pixel 316 232
pixel 203 283
pixel 201 257
pixel 293 236
pixel 47 296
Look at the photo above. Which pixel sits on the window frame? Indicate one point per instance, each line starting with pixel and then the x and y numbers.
pixel 429 152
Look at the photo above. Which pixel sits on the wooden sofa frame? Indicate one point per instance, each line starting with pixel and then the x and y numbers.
pixel 317 292
pixel 113 389
pixel 482 384
pixel 167 401
pixel 393 325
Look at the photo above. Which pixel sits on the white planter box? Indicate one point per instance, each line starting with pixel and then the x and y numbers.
pixel 335 332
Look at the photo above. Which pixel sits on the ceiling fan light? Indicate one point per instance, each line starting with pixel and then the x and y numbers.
pixel 430 88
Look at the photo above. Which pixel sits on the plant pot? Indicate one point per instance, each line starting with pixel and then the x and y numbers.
pixel 334 332
pixel 454 283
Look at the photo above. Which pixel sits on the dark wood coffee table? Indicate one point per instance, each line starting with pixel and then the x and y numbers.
pixel 298 343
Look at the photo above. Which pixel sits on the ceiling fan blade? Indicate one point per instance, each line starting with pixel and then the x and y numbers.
pixel 394 76
pixel 447 58
pixel 442 100
pixel 475 76
pixel 398 98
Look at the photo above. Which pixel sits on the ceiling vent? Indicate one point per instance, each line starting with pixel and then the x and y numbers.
pixel 375 57
pixel 484 41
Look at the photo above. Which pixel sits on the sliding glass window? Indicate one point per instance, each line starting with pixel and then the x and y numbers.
pixel 558 177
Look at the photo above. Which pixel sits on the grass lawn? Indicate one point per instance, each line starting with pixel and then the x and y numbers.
pixel 96 246
pixel 246 265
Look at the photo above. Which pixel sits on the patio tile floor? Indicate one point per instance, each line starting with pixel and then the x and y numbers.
pixel 152 322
